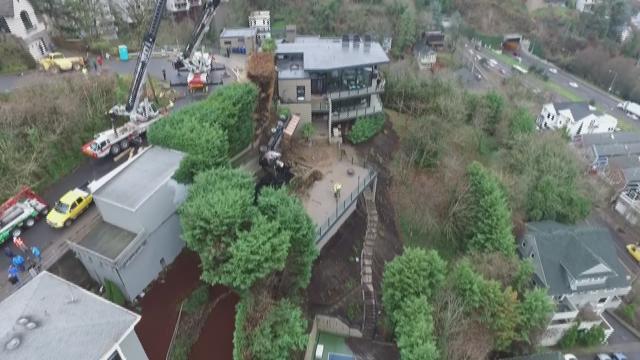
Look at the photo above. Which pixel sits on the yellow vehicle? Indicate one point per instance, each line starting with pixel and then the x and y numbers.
pixel 56 62
pixel 69 207
pixel 634 250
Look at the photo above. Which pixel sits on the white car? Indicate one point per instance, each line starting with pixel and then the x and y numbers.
pixel 570 357
pixel 603 356
pixel 553 70
pixel 573 84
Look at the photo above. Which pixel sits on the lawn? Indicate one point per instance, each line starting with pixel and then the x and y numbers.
pixel 565 93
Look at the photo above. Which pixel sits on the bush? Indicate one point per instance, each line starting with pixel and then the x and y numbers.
pixel 629 312
pixel 366 128
pixel 198 298
pixel 307 131
pixel 284 111
pixel 102 47
pixel 587 338
pixel 14 58
pixel 113 293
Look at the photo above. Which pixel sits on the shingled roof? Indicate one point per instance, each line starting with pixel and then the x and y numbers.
pixel 6 8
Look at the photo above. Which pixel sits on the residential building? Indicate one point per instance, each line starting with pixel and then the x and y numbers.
pixel 330 81
pixel 579 267
pixel 51 318
pixel 17 17
pixel 239 40
pixel 261 21
pixel 434 39
pixel 428 58
pixel 577 118
pixel 182 5
pixel 586 5
pixel 138 233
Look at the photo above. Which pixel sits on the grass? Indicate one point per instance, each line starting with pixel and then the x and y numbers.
pixel 625 125
pixel 507 59
pixel 197 299
pixel 555 88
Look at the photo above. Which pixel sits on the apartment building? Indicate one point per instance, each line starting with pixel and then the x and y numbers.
pixel 330 81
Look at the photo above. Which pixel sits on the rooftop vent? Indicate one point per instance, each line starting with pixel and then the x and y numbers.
pixel 23 321
pixel 13 343
pixel 356 41
pixel 31 325
pixel 345 40
pixel 367 40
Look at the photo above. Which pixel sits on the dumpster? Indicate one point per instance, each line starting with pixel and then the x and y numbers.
pixel 124 52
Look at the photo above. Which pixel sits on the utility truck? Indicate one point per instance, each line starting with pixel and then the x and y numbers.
pixel 19 212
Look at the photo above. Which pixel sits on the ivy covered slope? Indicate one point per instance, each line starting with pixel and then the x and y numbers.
pixel 209 131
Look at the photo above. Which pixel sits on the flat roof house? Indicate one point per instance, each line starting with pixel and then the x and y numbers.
pixel 330 80
pixel 51 318
pixel 577 118
pixel 580 269
pixel 239 40
pixel 138 233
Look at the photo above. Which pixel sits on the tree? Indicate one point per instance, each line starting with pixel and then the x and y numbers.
pixel 236 244
pixel 307 131
pixel 490 217
pixel 619 15
pixel 406 31
pixel 414 330
pixel 417 272
pixel 269 45
pixel 499 309
pixel 495 105
pixel 522 122
pixel 467 283
pixel 535 310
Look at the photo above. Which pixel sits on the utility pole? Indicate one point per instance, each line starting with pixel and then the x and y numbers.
pixel 613 80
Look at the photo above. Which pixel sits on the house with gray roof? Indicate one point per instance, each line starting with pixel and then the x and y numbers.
pixel 51 318
pixel 580 269
pixel 18 18
pixel 576 118
pixel 239 40
pixel 137 234
pixel 330 81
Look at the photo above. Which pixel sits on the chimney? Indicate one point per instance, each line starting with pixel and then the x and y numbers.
pixel 345 40
pixel 356 41
pixel 290 33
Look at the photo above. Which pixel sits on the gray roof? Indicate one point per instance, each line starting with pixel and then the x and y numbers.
pixel 132 185
pixel 581 251
pixel 624 162
pixel 238 32
pixel 329 53
pixel 579 110
pixel 610 138
pixel 107 240
pixel 72 323
pixel 542 356
pixel 617 149
pixel 6 8
pixel 631 174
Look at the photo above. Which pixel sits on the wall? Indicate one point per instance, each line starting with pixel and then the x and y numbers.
pixel 131 348
pixel 15 23
pixel 249 43
pixel 580 300
pixel 287 90
pixel 303 109
pixel 99 267
pixel 628 209
pixel 139 270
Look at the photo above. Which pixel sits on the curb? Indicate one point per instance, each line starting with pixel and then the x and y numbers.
pixel 624 323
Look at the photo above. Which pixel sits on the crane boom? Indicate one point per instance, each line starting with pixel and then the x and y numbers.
pixel 185 59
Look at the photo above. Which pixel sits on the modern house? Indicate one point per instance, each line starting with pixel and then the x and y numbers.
pixel 576 118
pixel 138 233
pixel 586 5
pixel 17 17
pixel 261 21
pixel 239 40
pixel 579 267
pixel 51 318
pixel 330 81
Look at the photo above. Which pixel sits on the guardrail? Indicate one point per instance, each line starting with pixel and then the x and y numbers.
pixel 342 206
pixel 373 89
pixel 356 113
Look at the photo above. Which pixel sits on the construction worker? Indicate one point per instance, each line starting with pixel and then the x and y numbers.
pixel 19 243
pixel 18 262
pixel 13 275
pixel 336 190
pixel 164 75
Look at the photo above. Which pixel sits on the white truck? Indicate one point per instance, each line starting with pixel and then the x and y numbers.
pixel 21 211
pixel 632 109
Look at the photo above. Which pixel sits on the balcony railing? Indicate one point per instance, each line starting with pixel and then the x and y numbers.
pixel 347 93
pixel 342 114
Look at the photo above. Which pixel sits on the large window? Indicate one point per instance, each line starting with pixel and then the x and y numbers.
pixel 300 93
pixel 4 27
pixel 24 16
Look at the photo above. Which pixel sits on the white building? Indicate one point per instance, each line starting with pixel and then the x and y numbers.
pixel 17 17
pixel 182 5
pixel 261 21
pixel 51 318
pixel 586 5
pixel 577 118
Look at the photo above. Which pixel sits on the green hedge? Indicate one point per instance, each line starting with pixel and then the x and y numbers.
pixel 366 128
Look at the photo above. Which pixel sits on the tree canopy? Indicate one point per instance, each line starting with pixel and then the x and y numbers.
pixel 414 330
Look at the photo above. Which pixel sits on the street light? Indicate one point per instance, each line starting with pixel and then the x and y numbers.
pixel 615 75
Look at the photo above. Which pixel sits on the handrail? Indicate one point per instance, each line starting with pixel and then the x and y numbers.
pixel 175 332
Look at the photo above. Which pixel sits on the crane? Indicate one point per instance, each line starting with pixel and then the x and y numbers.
pixel 197 63
pixel 141 114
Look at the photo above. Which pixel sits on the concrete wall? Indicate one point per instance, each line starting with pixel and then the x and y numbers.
pixel 302 109
pixel 140 266
pixel 287 90
pixel 99 268
pixel 131 348
pixel 250 43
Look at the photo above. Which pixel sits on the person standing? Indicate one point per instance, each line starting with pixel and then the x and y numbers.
pixel 95 65
pixel 164 74
pixel 8 252
pixel 18 262
pixel 19 243
pixel 13 275
pixel 100 61
pixel 35 251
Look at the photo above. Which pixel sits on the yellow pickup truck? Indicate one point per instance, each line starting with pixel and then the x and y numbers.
pixel 56 62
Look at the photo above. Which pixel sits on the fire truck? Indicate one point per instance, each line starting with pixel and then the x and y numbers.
pixel 198 63
pixel 140 114
pixel 19 212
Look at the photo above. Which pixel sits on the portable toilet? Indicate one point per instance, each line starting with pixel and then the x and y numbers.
pixel 124 52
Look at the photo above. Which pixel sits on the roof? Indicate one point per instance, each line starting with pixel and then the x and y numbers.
pixel 131 184
pixel 610 138
pixel 579 251
pixel 72 195
pixel 579 110
pixel 435 37
pixel 6 8
pixel 631 174
pixel 107 240
pixel 71 323
pixel 616 149
pixel 329 53
pixel 238 32
pixel 542 356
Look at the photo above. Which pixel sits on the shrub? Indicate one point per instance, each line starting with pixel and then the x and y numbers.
pixel 198 298
pixel 14 58
pixel 629 312
pixel 307 131
pixel 113 293
pixel 284 112
pixel 365 128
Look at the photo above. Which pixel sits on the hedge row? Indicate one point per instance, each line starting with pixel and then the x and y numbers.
pixel 365 128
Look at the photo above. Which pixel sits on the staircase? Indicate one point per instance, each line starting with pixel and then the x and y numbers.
pixel 366 266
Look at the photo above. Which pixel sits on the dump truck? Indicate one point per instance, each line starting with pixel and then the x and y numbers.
pixel 19 212
pixel 56 62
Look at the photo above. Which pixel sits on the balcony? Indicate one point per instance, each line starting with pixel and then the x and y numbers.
pixel 344 114
pixel 349 93
pixel 565 310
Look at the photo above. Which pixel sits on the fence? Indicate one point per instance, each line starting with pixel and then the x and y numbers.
pixel 344 205
pixel 338 94
pixel 339 115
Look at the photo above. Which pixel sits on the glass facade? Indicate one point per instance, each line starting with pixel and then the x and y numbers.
pixel 341 80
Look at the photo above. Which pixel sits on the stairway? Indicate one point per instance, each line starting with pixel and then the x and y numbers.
pixel 366 266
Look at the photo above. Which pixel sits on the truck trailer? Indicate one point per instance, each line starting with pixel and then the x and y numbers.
pixel 19 212
pixel 631 108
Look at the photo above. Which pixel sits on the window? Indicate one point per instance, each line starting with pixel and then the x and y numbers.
pixel 241 41
pixel 603 300
pixel 26 20
pixel 524 243
pixel 227 42
pixel 300 93
pixel 4 27
pixel 115 356
pixel 532 255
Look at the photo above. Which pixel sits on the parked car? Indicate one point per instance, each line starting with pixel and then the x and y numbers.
pixel 603 356
pixel 618 356
pixel 573 84
pixel 634 251
pixel 69 207
pixel 553 70
pixel 570 357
